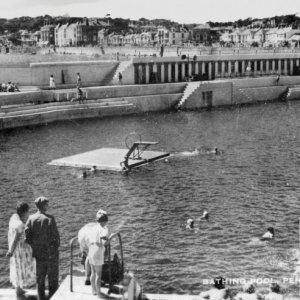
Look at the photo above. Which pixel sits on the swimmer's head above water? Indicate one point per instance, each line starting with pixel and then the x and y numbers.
pixel 190 224
pixel 205 215
pixel 270 234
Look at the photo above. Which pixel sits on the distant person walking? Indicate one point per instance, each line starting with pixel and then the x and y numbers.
pixel 277 79
pixel 120 76
pixel 52 82
pixel 78 81
pixel 42 234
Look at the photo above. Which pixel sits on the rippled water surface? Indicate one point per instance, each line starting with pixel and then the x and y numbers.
pixel 252 185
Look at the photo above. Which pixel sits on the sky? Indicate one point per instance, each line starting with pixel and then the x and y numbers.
pixel 181 11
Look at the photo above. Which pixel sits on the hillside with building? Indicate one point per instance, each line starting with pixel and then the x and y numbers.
pixel 281 31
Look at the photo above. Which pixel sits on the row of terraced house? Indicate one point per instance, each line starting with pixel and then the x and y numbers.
pixel 263 37
pixel 95 32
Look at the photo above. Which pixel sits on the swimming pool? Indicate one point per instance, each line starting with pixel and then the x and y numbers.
pixel 252 185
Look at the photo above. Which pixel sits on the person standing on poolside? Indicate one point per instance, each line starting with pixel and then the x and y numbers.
pixel 98 237
pixel 78 81
pixel 42 234
pixel 21 263
pixel 51 82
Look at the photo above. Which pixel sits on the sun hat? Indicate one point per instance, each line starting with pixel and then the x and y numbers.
pixel 101 215
pixel 41 200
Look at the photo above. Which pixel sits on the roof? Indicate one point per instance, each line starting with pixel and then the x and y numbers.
pixel 45 27
pixel 202 26
pixel 295 37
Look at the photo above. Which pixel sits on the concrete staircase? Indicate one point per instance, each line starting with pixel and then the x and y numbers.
pixel 123 65
pixel 9 111
pixel 245 95
pixel 188 91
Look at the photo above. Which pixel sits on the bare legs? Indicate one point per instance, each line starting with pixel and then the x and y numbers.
pixel 96 280
pixel 87 269
pixel 19 291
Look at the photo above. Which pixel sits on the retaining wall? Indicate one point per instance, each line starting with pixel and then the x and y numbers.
pixel 240 91
pixel 37 74
pixel 25 97
pixel 51 116
pixel 103 92
pixel 222 95
pixel 134 90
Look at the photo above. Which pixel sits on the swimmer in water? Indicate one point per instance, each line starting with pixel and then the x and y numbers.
pixel 84 174
pixel 93 170
pixel 190 224
pixel 269 235
pixel 217 151
pixel 204 216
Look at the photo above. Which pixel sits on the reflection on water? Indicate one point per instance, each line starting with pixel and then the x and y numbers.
pixel 251 186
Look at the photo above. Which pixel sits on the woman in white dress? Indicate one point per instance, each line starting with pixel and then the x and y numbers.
pixel 22 264
pixel 52 82
pixel 98 238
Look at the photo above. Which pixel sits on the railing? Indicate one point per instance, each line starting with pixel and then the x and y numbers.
pixel 71 262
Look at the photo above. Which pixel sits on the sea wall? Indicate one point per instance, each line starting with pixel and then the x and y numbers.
pixel 100 92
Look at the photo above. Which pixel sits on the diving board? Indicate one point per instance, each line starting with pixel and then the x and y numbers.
pixel 113 159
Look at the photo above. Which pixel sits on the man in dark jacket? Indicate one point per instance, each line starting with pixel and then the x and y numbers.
pixel 42 234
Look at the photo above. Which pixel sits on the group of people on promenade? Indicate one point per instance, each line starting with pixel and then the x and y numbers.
pixel 33 243
pixel 9 87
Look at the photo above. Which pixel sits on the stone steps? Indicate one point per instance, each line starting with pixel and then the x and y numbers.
pixel 123 65
pixel 257 94
pixel 63 107
pixel 188 91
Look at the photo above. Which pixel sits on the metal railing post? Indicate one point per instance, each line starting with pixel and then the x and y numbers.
pixel 71 263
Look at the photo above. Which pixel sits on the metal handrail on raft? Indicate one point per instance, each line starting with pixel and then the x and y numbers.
pixel 72 242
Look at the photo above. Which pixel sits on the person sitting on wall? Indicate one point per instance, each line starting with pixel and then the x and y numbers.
pixel 15 87
pixel 79 96
pixel 10 87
